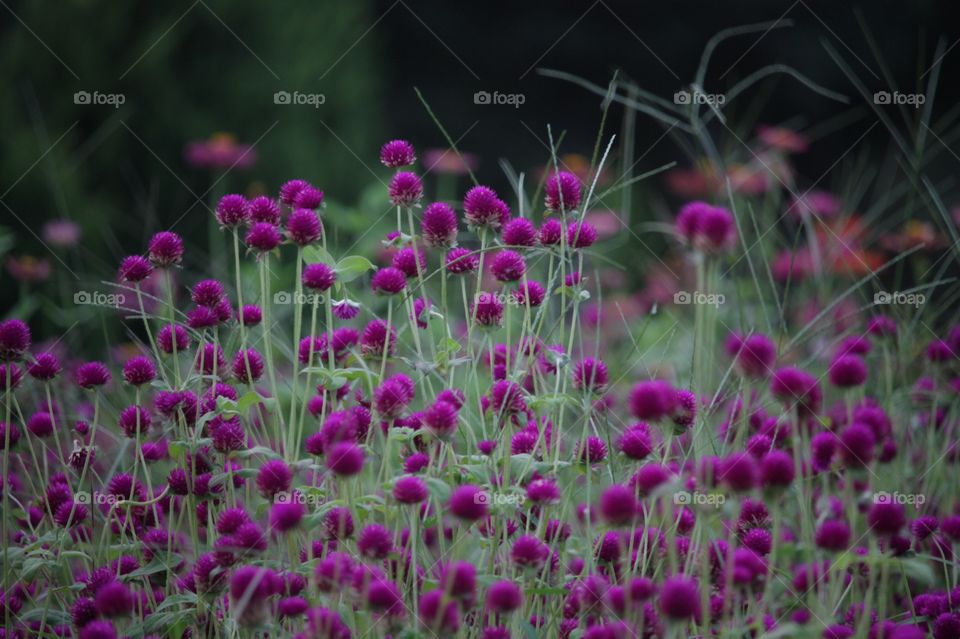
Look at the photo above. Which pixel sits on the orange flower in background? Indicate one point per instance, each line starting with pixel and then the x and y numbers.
pixel 219 151
pixel 914 233
pixel 28 269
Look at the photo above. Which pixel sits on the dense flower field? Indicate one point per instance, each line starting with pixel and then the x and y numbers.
pixel 462 437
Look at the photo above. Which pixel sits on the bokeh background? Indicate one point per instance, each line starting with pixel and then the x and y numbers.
pixel 205 72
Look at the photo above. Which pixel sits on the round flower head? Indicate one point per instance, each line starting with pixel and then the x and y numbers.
pixel 562 192
pixel 410 262
pixel 618 505
pixel 590 374
pixel 506 398
pixel 636 443
pixel 309 197
pixel 397 153
pixel 468 502
pixel 529 552
pixel 438 614
pixel 134 269
pixel 202 317
pixel 250 587
pixel 232 211
pixel 44 367
pixel 885 517
pixel 580 236
pixel 833 535
pixel 139 370
pixel 882 326
pixel 373 340
pixel 550 233
pixel 250 315
pixel 166 249
pixel 542 491
pixel 519 232
pixel 263 237
pixel 289 190
pixel 92 374
pixel 679 598
pixel 857 445
pixel 508 266
pixel 247 366
pixel 208 293
pixel 592 451
pixel 484 210
pixel 707 228
pixel 346 309
pixel 529 292
pixel 739 471
pixel 304 227
pixel 134 420
pixel 40 424
pixel 440 419
pixel 14 339
pixel 345 459
pixel 166 342
pixel 439 225
pixel 410 490
pixel 460 261
pixel 286 515
pixel 319 277
pixel 488 309
pixel 405 189
pixel 504 597
pixel 754 355
pixel 114 600
pixel 228 436
pixel 652 400
pixel 263 209
pixel 848 371
pixel 375 542
pixel 796 387
pixel 10 376
pixel 777 469
pixel 274 477
pixel 388 281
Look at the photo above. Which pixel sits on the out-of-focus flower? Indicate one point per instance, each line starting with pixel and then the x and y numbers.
pixel 783 139
pixel 220 151
pixel 61 233
pixel 447 161
pixel 28 269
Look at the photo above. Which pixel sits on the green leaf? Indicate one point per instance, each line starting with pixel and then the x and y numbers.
pixel 352 267
pixel 439 489
pixel 313 254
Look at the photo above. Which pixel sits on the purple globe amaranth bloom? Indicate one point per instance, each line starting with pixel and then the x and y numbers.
pixel 303 227
pixel 834 535
pixel 309 197
pixel 375 542
pixel 165 249
pixel 484 210
pixel 590 374
pixel 529 552
pixel 519 232
pixel 406 189
pixel 754 355
pixel 592 451
pixel 202 317
pixel 847 371
pixel 542 491
pixel 44 367
pixel 636 442
pixel 857 445
pixel 581 235
pixel 388 281
pixel 506 398
pixel 232 211
pixel 397 153
pixel 345 459
pixel 346 309
pixel 685 411
pixel 250 587
pixel 939 351
pixel 374 339
pixel 468 502
pixel 618 505
pixel 679 598
pixel 263 237
pixel 166 342
pixel 287 515
pixel 439 225
pixel 15 339
pixel 550 233
pixel 460 261
pixel 134 269
pixel 114 600
pixel 263 209
pixel 40 424
pixel 134 420
pixel 707 228
pixel 139 370
pixel 529 292
pixel 652 400
pixel 885 516
pixel 882 326
pixel 92 374
pixel 504 597
pixel 562 191
pixel 488 309
pixel 247 366
pixel 319 277
pixel 797 388
pixel 410 490
pixel 208 293
pixel 290 189
pixel 508 266
pixel 438 614
pixel 440 419
pixel 250 315
pixel 274 477
pixel 777 469
pixel 411 263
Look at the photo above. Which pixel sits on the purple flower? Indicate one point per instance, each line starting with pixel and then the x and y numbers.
pixel 410 490
pixel 519 232
pixel 405 189
pixel 590 374
pixel 409 262
pixel 251 315
pixel 438 614
pixel 274 477
pixel 134 420
pixel 857 445
pixel 319 277
pixel 263 209
pixel 833 535
pixel 388 281
pixel 375 542
pixel 848 371
pixel 439 225
pixel 679 598
pixel 373 340
pixel 44 367
pixel 488 309
pixel 114 600
pixel 460 261
pixel 551 232
pixel 504 597
pixel 92 374
pixel 14 339
pixel 562 191
pixel 166 249
pixel 165 338
pixel 98 629
pixel 707 228
pixel 441 419
pixel 636 443
pixel 542 491
pixel 618 505
pixel 289 190
pixel 755 355
pixel 796 387
pixel 739 471
pixel 652 400
pixel 134 269
pixel 247 366
pixel 208 293
pixel 309 197
pixel 263 237
pixel 531 292
pixel 397 153
pixel 581 235
pixel 139 370
pixel 40 424
pixel 287 515
pixel 345 459
pixel 468 502
pixel 592 451
pixel 777 469
pixel 508 266
pixel 303 226
pixel 483 209
pixel 232 211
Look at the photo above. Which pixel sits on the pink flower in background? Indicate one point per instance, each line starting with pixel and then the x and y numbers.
pixel 816 203
pixel 219 151
pixel 28 269
pixel 61 233
pixel 446 161
pixel 783 139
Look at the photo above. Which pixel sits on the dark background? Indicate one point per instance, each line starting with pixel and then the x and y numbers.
pixel 190 69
